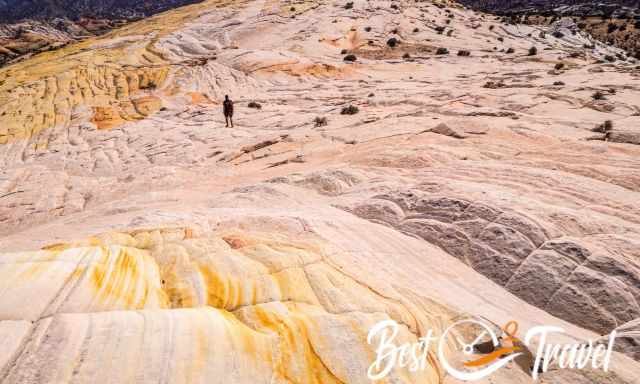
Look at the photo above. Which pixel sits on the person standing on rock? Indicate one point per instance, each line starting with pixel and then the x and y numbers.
pixel 227 109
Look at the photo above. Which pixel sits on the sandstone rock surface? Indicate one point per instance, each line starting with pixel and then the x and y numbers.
pixel 142 241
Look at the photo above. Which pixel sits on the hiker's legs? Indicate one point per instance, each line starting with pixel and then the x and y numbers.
pixel 231 120
pixel 226 121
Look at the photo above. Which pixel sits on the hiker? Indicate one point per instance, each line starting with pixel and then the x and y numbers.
pixel 227 109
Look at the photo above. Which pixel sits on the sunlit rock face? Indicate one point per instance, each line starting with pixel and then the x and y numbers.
pixel 143 241
pixel 245 307
pixel 29 27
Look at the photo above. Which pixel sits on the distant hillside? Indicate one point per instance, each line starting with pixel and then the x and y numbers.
pixel 568 7
pixel 12 11
pixel 28 27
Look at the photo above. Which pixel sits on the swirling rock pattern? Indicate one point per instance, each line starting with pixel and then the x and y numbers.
pixel 141 240
pixel 591 281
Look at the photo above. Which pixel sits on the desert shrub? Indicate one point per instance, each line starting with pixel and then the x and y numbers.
pixel 406 56
pixel 557 34
pixel 393 42
pixel 598 96
pixel 442 51
pixel 367 29
pixel 394 31
pixel 604 127
pixel 494 84
pixel 558 83
pixel 416 30
pixel 510 50
pixel 491 27
pixel 533 51
pixel 610 58
pixel 440 29
pixel 292 9
pixel 542 35
pixel 349 5
pixel 450 32
pixel 559 66
pixel 350 58
pixel 254 105
pixel 394 6
pixel 464 52
pixel 344 52
pixel 612 27
pixel 349 110
pixel 500 38
pixel 320 121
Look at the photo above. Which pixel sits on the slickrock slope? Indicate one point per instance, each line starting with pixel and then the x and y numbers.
pixel 28 27
pixel 142 241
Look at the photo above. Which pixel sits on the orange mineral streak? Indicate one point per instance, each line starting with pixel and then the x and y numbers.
pixel 257 242
pixel 59 247
pixel 222 292
pixel 245 338
pixel 298 361
pixel 106 117
pixel 180 294
pixel 237 241
pixel 198 98
pixel 34 270
pixel 120 278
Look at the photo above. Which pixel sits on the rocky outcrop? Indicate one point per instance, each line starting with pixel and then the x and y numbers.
pixel 17 10
pixel 142 240
pixel 35 26
pixel 628 339
pixel 561 8
pixel 582 280
pixel 258 307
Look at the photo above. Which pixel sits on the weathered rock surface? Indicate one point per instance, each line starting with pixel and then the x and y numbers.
pixel 143 241
pixel 628 339
pixel 592 281
pixel 28 27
